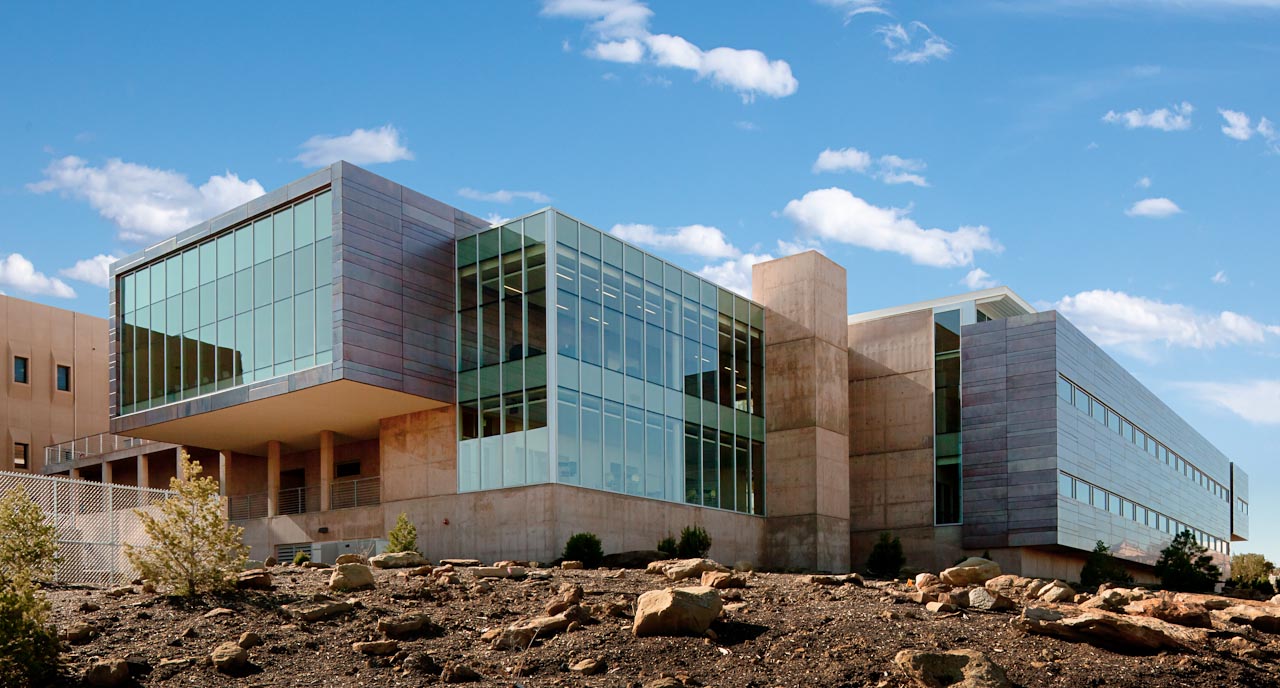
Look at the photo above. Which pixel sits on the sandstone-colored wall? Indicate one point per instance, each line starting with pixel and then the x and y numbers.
pixel 419 454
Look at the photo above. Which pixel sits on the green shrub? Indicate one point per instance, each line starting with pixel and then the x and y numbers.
pixel 667 546
pixel 1249 569
pixel 694 543
pixel 584 547
pixel 886 558
pixel 404 537
pixel 1185 565
pixel 1101 568
pixel 193 548
pixel 301 557
pixel 28 550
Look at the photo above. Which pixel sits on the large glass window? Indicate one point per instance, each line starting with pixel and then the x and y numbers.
pixel 240 306
pixel 946 395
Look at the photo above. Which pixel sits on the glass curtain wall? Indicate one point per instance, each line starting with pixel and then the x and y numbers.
pixel 248 304
pixel 946 398
pixel 655 386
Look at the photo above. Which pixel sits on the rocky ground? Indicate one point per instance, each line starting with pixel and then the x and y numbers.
pixel 540 630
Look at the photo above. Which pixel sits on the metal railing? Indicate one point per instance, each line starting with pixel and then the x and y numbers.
pixel 93 445
pixel 245 507
pixel 298 500
pixel 348 494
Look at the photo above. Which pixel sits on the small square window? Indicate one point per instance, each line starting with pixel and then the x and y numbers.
pixel 21 455
pixel 64 378
pixel 350 469
pixel 20 372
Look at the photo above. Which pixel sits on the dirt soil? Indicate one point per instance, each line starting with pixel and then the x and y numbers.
pixel 786 632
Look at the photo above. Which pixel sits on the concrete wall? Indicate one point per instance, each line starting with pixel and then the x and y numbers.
pixel 891 440
pixel 37 413
pixel 419 454
pixel 807 424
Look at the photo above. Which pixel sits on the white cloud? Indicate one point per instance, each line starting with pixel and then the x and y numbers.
pixel 1165 119
pixel 734 273
pixel 95 270
pixel 628 51
pixel 18 272
pixel 698 240
pixel 1154 208
pixel 905 43
pixel 1138 325
pixel 853 8
pixel 144 202
pixel 890 169
pixel 504 196
pixel 746 125
pixel 842 160
pixel 622 30
pixel 1257 401
pixel 495 219
pixel 1241 128
pixel 1220 277
pixel 1144 183
pixel 360 147
pixel 838 215
pixel 978 278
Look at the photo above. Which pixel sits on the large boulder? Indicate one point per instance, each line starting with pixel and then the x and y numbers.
pixel 1057 591
pixel 1265 618
pixel 690 568
pixel 407 626
pixel 954 669
pixel 1166 608
pixel 926 580
pixel 397 560
pixel 255 579
pixel 989 600
pixel 1275 600
pixel 351 559
pixel 230 658
pixel 1115 632
pixel 499 571
pixel 723 580
pixel 676 611
pixel 971 571
pixel 351 577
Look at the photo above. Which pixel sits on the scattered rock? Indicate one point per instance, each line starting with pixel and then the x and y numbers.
pixel 318 610
pixel 1112 600
pixel 315 565
pixel 249 640
pixel 1166 608
pixel 229 658
pixel 568 596
pixel 846 579
pixel 460 562
pixel 426 570
pixel 397 560
pixel 664 682
pixel 459 673
pixel 1263 618
pixel 351 559
pixel 989 600
pixel 79 633
pixel 689 568
pixel 957 668
pixel 676 611
pixel 1115 632
pixel 120 592
pixel 168 668
pixel 722 580
pixel 587 667
pixel 107 673
pixel 481 588
pixel 420 663
pixel 270 561
pixel 498 571
pixel 940 607
pixel 971 571
pixel 407 626
pixel 1275 600
pixel 1057 591
pixel 351 577
pixel 377 648
pixel 926 580
pixel 87 607
pixel 571 565
pixel 1243 647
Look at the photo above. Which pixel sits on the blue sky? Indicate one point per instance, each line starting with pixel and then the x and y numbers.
pixel 1114 159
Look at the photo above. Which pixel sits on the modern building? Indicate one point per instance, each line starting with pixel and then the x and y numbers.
pixel 55 384
pixel 344 349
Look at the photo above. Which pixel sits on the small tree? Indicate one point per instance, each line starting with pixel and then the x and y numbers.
pixel 886 558
pixel 694 543
pixel 667 546
pixel 28 551
pixel 584 547
pixel 27 540
pixel 1101 568
pixel 404 537
pixel 301 557
pixel 194 549
pixel 1247 569
pixel 1185 565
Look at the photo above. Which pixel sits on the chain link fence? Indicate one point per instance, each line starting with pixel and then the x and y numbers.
pixel 94 521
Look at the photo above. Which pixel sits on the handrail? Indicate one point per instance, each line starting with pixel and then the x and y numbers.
pixel 298 500
pixel 349 494
pixel 92 445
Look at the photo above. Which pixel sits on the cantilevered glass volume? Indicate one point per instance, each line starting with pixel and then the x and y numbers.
pixel 250 303
pixel 585 361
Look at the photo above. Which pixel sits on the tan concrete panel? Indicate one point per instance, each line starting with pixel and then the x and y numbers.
pixel 807 294
pixel 896 344
pixel 418 454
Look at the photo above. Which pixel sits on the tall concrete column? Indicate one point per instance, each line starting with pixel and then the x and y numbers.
pixel 273 478
pixel 326 467
pixel 178 471
pixel 807 411
pixel 224 458
pixel 106 473
pixel 75 474
pixel 144 471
